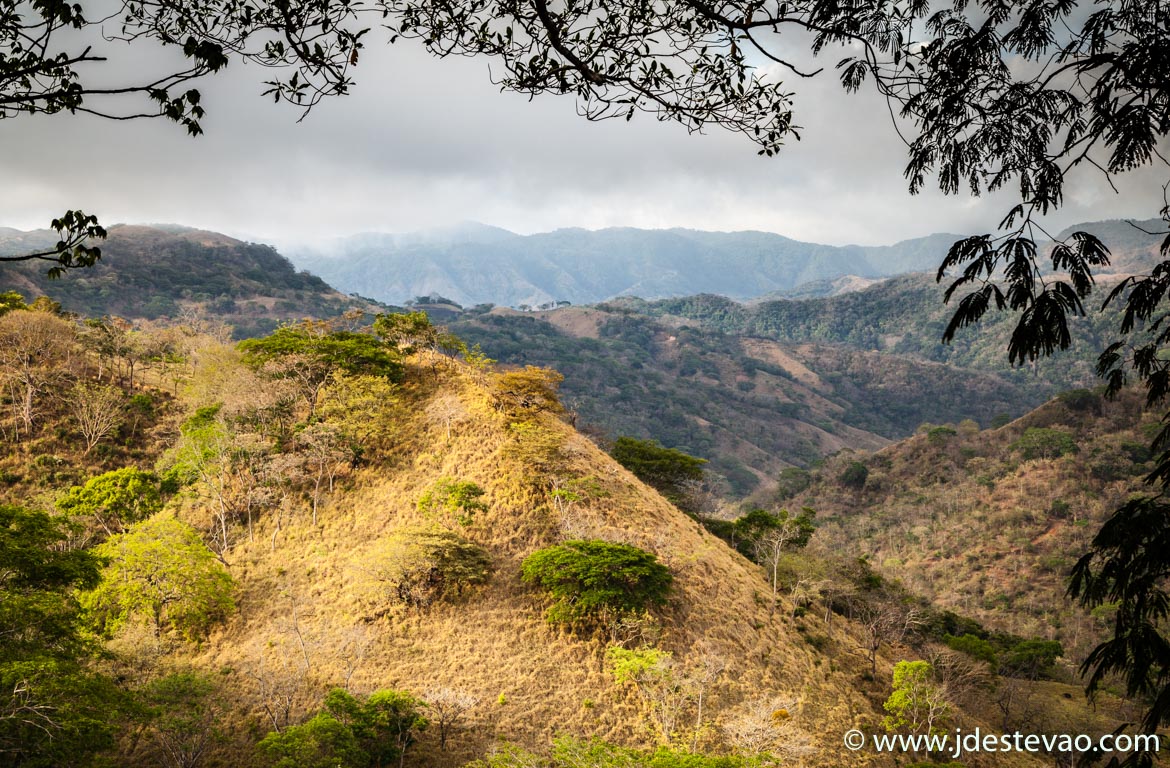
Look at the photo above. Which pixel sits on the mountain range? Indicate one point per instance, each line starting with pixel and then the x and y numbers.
pixel 473 263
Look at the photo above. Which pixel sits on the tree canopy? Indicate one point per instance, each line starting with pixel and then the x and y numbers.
pixel 596 582
pixel 52 710
pixel 160 569
pixel 668 471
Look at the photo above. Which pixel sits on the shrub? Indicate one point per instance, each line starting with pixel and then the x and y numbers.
pixel 458 498
pixel 1044 443
pixel 421 567
pixel 854 475
pixel 973 646
pixel 596 582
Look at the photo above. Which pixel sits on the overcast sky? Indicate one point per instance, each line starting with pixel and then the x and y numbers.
pixel 423 142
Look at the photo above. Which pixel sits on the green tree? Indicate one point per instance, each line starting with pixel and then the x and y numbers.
pixel 53 711
pixel 458 498
pixel 160 569
pixel 115 500
pixel 672 473
pixel 597 583
pixel 854 475
pixel 10 300
pixel 419 567
pixel 918 704
pixel 520 395
pixel 1044 443
pixel 308 353
pixel 182 718
pixel 351 733
pixel 385 724
pixel 411 332
pixel 322 742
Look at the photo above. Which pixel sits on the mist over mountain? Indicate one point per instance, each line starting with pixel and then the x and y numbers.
pixel 473 264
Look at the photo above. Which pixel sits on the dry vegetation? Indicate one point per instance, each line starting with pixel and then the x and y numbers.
pixel 977 523
pixel 300 516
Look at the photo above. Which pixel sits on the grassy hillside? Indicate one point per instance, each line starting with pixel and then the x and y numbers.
pixel 151 272
pixel 304 478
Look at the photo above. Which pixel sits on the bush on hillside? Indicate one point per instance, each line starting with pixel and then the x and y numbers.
pixel 597 583
pixel 420 567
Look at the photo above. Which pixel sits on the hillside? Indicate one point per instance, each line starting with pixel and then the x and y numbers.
pixel 750 406
pixel 989 522
pixel 149 272
pixel 329 510
pixel 904 316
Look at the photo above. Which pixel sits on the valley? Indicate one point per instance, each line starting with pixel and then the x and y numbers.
pixel 390 517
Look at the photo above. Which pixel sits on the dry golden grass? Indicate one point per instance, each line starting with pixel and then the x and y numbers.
pixel 307 620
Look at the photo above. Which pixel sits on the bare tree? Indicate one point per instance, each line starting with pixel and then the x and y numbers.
pixel 98 410
pixel 35 348
pixel 768 725
pixel 882 621
pixel 323 448
pixel 701 677
pixel 448 705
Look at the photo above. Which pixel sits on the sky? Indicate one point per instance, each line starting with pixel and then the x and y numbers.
pixel 423 142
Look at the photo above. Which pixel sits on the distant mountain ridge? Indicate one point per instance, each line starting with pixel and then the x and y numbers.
pixel 475 264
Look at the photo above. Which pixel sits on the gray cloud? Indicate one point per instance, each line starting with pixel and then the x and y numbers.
pixel 423 142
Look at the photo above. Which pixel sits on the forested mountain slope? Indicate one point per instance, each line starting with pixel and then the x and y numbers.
pixel 158 272
pixel 989 522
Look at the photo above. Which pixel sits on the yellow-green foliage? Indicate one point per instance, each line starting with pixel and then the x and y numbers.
pixel 162 571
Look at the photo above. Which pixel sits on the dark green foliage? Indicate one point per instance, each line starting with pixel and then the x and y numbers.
pixel 938 436
pixel 385 724
pixel 53 712
pixel 1031 658
pixel 351 733
pixel 1127 567
pixel 975 647
pixel 1044 443
pixel 1081 401
pixel 670 472
pixel 597 582
pixel 854 475
pixel 345 351
pixel 792 481
pixel 759 526
pixel 181 717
